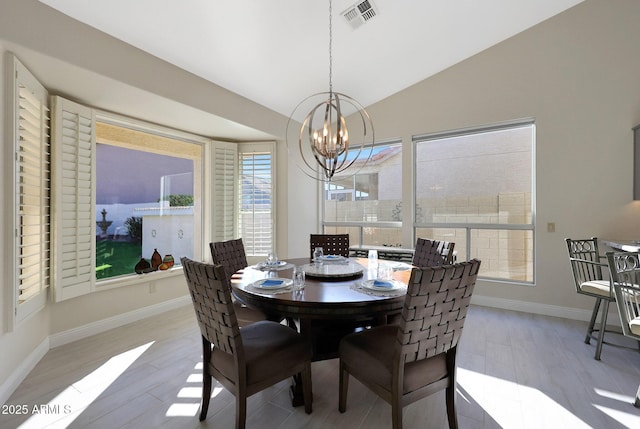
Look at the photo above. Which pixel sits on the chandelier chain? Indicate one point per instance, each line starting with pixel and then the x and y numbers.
pixel 330 48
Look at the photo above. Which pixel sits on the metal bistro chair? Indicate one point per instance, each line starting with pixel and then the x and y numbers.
pixel 410 361
pixel 244 360
pixel 625 275
pixel 332 244
pixel 587 268
pixel 432 253
pixel 231 255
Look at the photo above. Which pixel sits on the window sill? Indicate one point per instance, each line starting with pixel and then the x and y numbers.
pixel 135 279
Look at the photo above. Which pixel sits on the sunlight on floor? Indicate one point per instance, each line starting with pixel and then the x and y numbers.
pixel 494 396
pixel 62 410
pixel 626 419
pixel 191 409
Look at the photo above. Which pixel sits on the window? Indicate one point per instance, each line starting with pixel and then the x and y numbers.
pixel 368 205
pixel 121 190
pixel 30 134
pixel 256 198
pixel 475 188
pixel 146 199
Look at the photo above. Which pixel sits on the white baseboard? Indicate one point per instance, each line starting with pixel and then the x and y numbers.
pixel 20 373
pixel 545 309
pixel 94 328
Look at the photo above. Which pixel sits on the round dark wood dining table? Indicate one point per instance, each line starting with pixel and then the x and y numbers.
pixel 327 308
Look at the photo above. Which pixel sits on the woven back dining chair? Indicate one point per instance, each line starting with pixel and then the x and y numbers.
pixel 332 244
pixel 625 276
pixel 432 253
pixel 244 360
pixel 407 362
pixel 588 268
pixel 232 256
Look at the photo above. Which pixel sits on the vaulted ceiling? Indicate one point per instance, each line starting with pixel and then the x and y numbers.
pixel 277 52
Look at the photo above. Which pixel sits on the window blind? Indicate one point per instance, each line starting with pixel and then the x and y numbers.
pixel 32 191
pixel 74 218
pixel 256 222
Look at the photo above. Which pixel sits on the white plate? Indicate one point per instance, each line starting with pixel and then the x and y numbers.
pixel 272 283
pixel 381 285
pixel 332 258
pixel 272 264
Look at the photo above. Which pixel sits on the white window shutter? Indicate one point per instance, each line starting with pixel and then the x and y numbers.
pixel 73 199
pixel 225 173
pixel 32 192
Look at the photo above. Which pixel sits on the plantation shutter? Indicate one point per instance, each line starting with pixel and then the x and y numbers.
pixel 256 201
pixel 32 180
pixel 74 218
pixel 224 190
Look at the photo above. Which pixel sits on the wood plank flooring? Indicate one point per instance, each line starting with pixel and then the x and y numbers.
pixel 515 370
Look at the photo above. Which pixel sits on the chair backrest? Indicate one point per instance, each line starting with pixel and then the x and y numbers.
pixel 230 254
pixel 211 296
pixel 625 276
pixel 432 253
pixel 332 244
pixel 584 258
pixel 435 308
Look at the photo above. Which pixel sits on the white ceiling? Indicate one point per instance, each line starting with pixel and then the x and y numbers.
pixel 276 52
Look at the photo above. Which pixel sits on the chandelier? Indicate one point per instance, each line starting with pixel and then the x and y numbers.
pixel 323 142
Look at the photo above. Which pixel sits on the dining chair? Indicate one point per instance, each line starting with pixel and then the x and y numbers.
pixel 587 268
pixel 407 362
pixel 432 253
pixel 625 276
pixel 244 360
pixel 332 244
pixel 232 256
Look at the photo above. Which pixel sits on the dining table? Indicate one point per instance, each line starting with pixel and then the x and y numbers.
pixel 339 297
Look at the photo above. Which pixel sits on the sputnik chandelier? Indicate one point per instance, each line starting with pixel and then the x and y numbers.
pixel 323 142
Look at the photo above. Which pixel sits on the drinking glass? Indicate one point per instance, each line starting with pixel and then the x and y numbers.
pixel 373 260
pixel 318 252
pixel 298 278
pixel 272 258
pixel 385 272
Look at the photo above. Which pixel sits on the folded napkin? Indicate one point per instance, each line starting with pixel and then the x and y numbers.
pixel 271 283
pixel 382 283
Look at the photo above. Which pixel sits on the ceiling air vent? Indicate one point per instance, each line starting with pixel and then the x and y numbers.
pixel 359 13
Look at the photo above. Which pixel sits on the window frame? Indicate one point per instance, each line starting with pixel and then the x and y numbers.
pixel 468 227
pixel 361 225
pixel 200 218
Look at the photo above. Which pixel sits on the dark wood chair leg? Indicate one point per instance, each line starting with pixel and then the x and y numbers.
pixel 307 391
pixel 343 388
pixel 206 379
pixel 241 410
pixel 451 407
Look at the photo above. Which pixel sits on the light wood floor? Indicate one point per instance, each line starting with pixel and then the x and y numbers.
pixel 515 370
